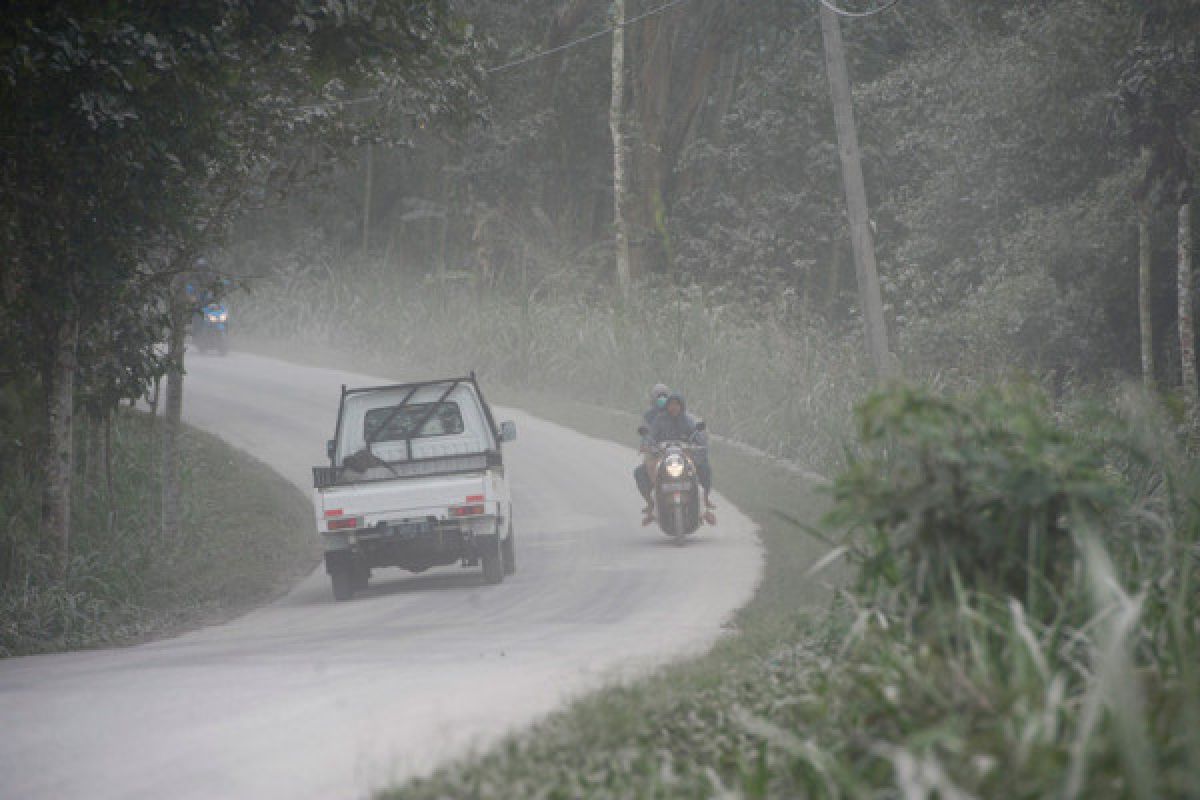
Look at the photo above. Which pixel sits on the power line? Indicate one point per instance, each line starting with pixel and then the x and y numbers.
pixel 841 12
pixel 584 39
pixel 511 64
pixel 576 42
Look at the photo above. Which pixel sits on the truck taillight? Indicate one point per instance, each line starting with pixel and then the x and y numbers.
pixel 343 524
pixel 333 512
pixel 466 511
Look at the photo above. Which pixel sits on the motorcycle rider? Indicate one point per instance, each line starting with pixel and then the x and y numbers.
pixel 641 475
pixel 678 425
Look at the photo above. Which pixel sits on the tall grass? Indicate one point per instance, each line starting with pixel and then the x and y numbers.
pixel 955 503
pixel 964 694
pixel 1023 623
pixel 124 581
pixel 769 375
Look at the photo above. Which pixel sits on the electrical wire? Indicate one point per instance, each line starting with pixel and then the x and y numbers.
pixel 511 64
pixel 841 12
pixel 584 39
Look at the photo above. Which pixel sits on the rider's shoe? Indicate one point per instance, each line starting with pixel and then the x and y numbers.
pixel 708 503
pixel 710 518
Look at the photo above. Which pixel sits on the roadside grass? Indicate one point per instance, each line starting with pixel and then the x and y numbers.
pixel 1015 612
pixel 772 376
pixel 244 539
pixel 955 689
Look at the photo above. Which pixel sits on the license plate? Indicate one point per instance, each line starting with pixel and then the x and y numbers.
pixel 412 528
pixel 681 486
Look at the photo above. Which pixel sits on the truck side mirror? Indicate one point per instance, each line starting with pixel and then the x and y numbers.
pixel 331 448
pixel 508 431
pixel 701 425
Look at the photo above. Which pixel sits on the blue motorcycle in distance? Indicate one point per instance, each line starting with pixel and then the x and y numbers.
pixel 210 330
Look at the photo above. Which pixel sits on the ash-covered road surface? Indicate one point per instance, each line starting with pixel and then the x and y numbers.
pixel 306 698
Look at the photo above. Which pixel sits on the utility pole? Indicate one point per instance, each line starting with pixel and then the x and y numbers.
pixel 616 124
pixel 861 239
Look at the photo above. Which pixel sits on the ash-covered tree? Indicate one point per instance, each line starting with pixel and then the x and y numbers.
pixel 132 133
pixel 1156 101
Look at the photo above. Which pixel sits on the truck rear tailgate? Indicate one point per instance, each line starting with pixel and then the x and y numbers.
pixel 395 500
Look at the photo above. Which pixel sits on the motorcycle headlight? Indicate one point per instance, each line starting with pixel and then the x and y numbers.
pixel 674 466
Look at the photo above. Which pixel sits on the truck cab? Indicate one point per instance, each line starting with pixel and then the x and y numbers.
pixel 416 479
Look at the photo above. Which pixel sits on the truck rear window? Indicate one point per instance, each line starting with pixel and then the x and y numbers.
pixel 445 421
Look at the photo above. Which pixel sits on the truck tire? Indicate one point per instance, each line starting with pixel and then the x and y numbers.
pixel 509 550
pixel 342 579
pixel 493 560
pixel 362 575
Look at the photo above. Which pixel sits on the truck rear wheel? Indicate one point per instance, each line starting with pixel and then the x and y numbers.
pixel 509 550
pixel 361 574
pixel 493 560
pixel 343 584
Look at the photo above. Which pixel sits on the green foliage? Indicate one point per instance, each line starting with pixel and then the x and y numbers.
pixel 134 132
pixel 980 492
pixel 977 697
pixel 124 582
pixel 1157 91
pixel 1000 196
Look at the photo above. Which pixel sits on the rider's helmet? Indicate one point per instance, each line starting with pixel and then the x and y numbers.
pixel 659 395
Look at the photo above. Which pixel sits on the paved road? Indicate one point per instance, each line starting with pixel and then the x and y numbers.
pixel 306 698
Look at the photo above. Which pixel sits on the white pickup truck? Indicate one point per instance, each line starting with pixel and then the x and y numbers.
pixel 415 480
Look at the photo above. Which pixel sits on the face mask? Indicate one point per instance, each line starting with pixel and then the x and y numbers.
pixel 660 401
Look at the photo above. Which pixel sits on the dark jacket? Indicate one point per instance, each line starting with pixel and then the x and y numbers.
pixel 653 413
pixel 666 428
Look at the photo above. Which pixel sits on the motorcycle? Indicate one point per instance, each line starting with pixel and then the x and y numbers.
pixel 211 328
pixel 677 489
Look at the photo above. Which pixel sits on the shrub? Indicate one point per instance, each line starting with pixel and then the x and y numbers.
pixel 981 491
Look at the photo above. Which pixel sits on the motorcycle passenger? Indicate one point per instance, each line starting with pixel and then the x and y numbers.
pixel 641 475
pixel 658 403
pixel 678 425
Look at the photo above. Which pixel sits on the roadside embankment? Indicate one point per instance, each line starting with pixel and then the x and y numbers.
pixel 245 538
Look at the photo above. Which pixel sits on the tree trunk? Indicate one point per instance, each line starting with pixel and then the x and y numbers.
pixel 368 190
pixel 59 453
pixel 1145 308
pixel 861 239
pixel 110 494
pixel 650 157
pixel 172 419
pixel 675 59
pixel 616 124
pixel 153 396
pixel 88 460
pixel 1187 331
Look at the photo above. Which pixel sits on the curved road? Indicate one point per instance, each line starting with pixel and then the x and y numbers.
pixel 306 698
